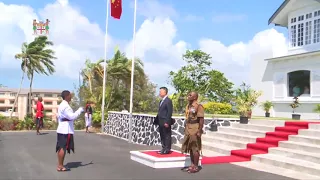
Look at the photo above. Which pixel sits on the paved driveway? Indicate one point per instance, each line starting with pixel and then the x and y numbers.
pixel 24 155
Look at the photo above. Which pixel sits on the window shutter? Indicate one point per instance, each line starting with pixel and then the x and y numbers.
pixel 279 79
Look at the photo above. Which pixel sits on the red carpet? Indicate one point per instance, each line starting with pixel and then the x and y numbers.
pixel 155 154
pixel 261 145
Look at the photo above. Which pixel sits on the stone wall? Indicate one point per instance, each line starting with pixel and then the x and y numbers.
pixel 144 132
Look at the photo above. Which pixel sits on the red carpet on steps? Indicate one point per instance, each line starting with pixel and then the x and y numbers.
pixel 261 145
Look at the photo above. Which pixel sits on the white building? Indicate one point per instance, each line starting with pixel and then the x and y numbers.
pixel 297 73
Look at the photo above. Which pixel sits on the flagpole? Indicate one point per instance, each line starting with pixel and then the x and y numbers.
pixel 132 69
pixel 104 69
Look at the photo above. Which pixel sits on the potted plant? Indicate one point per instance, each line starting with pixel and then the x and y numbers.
pixel 295 104
pixel 317 109
pixel 246 103
pixel 246 100
pixel 267 105
pixel 243 108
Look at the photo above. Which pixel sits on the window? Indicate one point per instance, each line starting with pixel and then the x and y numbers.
pixel 293 35
pixel 316 31
pixel 11 101
pixel 47 103
pixel 300 34
pixel 13 94
pixel 47 95
pixel 1 101
pixel 2 94
pixel 308 33
pixel 299 83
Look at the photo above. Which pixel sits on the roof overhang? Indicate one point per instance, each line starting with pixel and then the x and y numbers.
pixel 295 56
pixel 275 19
pixel 280 17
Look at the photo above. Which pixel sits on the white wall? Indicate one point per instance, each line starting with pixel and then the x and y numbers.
pixel 260 77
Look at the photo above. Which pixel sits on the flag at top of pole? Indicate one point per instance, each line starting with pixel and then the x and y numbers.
pixel 116 8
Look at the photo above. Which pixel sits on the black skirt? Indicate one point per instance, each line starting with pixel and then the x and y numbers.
pixel 65 141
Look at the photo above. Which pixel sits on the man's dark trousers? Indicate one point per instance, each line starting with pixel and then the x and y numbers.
pixel 165 135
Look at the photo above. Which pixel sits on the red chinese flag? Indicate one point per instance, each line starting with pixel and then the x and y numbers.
pixel 116 8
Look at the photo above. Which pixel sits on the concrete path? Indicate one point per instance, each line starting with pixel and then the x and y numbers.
pixel 24 155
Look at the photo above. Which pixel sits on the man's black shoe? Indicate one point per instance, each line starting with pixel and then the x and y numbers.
pixel 160 152
pixel 166 152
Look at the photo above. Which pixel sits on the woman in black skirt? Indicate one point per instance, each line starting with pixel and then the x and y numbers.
pixel 65 129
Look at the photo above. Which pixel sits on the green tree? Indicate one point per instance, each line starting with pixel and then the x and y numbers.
pixel 40 62
pixel 196 76
pixel 35 57
pixel 118 85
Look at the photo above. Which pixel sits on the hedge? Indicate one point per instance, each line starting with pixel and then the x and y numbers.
pixel 217 108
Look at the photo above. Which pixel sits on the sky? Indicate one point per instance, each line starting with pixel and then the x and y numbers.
pixel 229 30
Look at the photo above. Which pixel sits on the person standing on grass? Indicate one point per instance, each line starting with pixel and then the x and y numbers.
pixel 88 116
pixel 39 115
pixel 65 129
pixel 193 130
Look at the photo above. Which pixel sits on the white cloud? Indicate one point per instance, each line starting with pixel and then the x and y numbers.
pixel 74 36
pixel 155 45
pixel 227 18
pixel 153 8
pixel 234 60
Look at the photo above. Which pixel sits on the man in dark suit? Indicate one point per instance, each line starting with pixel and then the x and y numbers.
pixel 164 120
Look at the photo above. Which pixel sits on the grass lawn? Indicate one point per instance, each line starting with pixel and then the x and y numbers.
pixel 230 116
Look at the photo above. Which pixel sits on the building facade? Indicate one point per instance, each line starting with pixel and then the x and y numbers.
pixel 297 74
pixel 51 99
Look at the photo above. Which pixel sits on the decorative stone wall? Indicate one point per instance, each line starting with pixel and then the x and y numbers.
pixel 144 132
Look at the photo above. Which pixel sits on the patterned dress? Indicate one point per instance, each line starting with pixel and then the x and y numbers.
pixel 191 141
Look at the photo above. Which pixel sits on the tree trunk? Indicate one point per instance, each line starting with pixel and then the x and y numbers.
pixel 90 85
pixel 30 96
pixel 17 95
pixel 111 93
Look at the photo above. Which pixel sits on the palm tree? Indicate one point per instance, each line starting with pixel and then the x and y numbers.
pixel 35 57
pixel 88 73
pixel 23 56
pixel 41 62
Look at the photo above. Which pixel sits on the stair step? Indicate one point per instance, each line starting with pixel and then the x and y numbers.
pixel 261 146
pixel 314 126
pixel 224 141
pixel 256 127
pixel 249 132
pixel 280 134
pixel 309 132
pixel 300 146
pixel 233 136
pixel 222 149
pixel 276 170
pixel 288 163
pixel 267 122
pixel 270 140
pixel 305 139
pixel 296 154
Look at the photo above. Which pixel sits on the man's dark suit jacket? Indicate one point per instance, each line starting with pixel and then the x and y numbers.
pixel 164 113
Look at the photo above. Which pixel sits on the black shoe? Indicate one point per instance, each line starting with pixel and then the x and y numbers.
pixel 160 152
pixel 166 152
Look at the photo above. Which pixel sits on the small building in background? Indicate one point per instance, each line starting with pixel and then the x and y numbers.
pixel 51 99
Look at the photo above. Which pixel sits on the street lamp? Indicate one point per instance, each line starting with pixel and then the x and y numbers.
pixel 181 99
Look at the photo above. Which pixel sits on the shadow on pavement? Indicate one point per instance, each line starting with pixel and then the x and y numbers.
pixel 43 133
pixel 72 165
